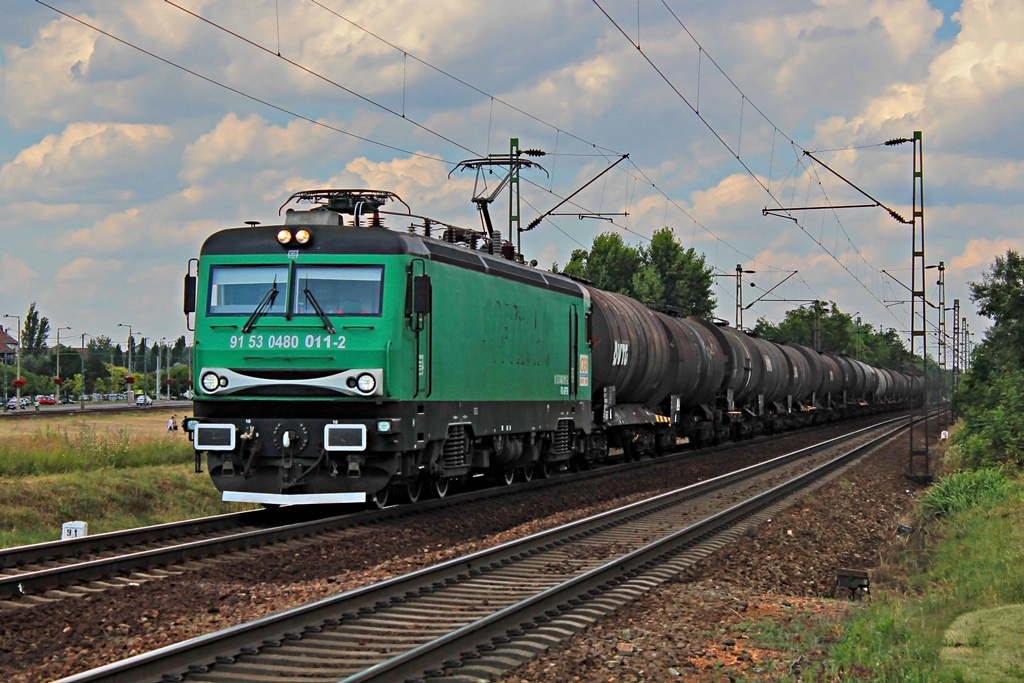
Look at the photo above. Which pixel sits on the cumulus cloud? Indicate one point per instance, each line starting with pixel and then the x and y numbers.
pixel 84 158
pixel 254 141
pixel 979 253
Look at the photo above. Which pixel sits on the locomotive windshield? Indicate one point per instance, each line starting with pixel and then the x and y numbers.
pixel 237 290
pixel 339 290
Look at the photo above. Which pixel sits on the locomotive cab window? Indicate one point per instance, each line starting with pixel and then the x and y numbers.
pixel 338 290
pixel 237 290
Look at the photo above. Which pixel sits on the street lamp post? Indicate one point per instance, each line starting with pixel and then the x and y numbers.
pixel 18 355
pixel 145 387
pixel 81 389
pixel 131 342
pixel 167 369
pixel 56 383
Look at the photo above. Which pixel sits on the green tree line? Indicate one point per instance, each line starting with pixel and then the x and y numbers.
pixel 990 397
pixel 101 369
pixel 663 274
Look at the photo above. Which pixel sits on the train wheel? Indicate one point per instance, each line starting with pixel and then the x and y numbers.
pixel 546 470
pixel 441 486
pixel 508 476
pixel 527 473
pixel 380 499
pixel 414 489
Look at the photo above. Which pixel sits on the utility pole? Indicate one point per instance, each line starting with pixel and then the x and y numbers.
pixel 81 393
pixel 919 466
pixel 956 347
pixel 739 291
pixel 943 384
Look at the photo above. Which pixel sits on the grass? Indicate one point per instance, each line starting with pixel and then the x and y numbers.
pixel 71 442
pixel 112 471
pixel 945 610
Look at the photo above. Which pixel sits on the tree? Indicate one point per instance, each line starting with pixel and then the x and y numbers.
pixel 819 325
pixel 663 274
pixel 822 326
pixel 647 286
pixel 35 331
pixel 609 265
pixel 686 279
pixel 1000 296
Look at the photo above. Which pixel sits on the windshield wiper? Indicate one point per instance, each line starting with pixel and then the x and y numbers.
pixel 261 308
pixel 319 311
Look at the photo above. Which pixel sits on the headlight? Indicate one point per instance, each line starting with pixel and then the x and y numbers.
pixel 302 236
pixel 366 383
pixel 384 426
pixel 210 381
pixel 284 236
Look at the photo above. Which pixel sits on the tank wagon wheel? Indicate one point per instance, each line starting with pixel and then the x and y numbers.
pixel 527 473
pixel 441 486
pixel 508 476
pixel 546 470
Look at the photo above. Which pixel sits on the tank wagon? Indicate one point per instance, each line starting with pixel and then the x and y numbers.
pixel 339 361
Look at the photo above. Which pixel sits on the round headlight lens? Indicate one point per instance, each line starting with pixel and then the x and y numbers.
pixel 210 381
pixel 284 236
pixel 383 426
pixel 302 236
pixel 366 383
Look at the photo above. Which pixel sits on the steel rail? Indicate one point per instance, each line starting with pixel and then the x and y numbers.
pixel 452 579
pixel 629 574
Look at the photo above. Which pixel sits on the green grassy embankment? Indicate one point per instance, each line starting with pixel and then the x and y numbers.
pixel 113 472
pixel 949 606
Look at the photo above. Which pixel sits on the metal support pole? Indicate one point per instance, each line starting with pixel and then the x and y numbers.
pixel 943 392
pixel 515 226
pixel 920 463
pixel 956 350
pixel 739 297
pixel 81 393
pixel 57 393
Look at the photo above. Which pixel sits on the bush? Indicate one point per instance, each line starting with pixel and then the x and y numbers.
pixel 963 490
pixel 993 424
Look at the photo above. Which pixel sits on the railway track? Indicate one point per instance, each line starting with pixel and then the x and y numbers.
pixel 71 567
pixel 475 616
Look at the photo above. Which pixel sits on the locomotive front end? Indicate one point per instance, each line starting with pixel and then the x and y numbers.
pixel 299 330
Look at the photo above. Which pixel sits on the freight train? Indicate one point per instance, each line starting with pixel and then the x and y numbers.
pixel 337 360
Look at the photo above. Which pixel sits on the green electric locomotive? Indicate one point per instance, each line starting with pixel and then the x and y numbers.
pixel 339 361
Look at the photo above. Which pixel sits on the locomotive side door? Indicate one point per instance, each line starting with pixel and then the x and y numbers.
pixel 418 308
pixel 574 350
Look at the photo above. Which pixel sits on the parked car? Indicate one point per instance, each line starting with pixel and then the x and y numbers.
pixel 143 400
pixel 12 404
pixel 46 400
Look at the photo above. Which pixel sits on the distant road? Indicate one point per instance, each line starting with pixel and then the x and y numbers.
pixel 95 406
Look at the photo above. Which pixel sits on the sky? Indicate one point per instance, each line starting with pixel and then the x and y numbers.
pixel 130 132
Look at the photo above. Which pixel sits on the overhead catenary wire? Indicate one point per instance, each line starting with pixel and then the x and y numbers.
pixel 605 151
pixel 695 109
pixel 599 150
